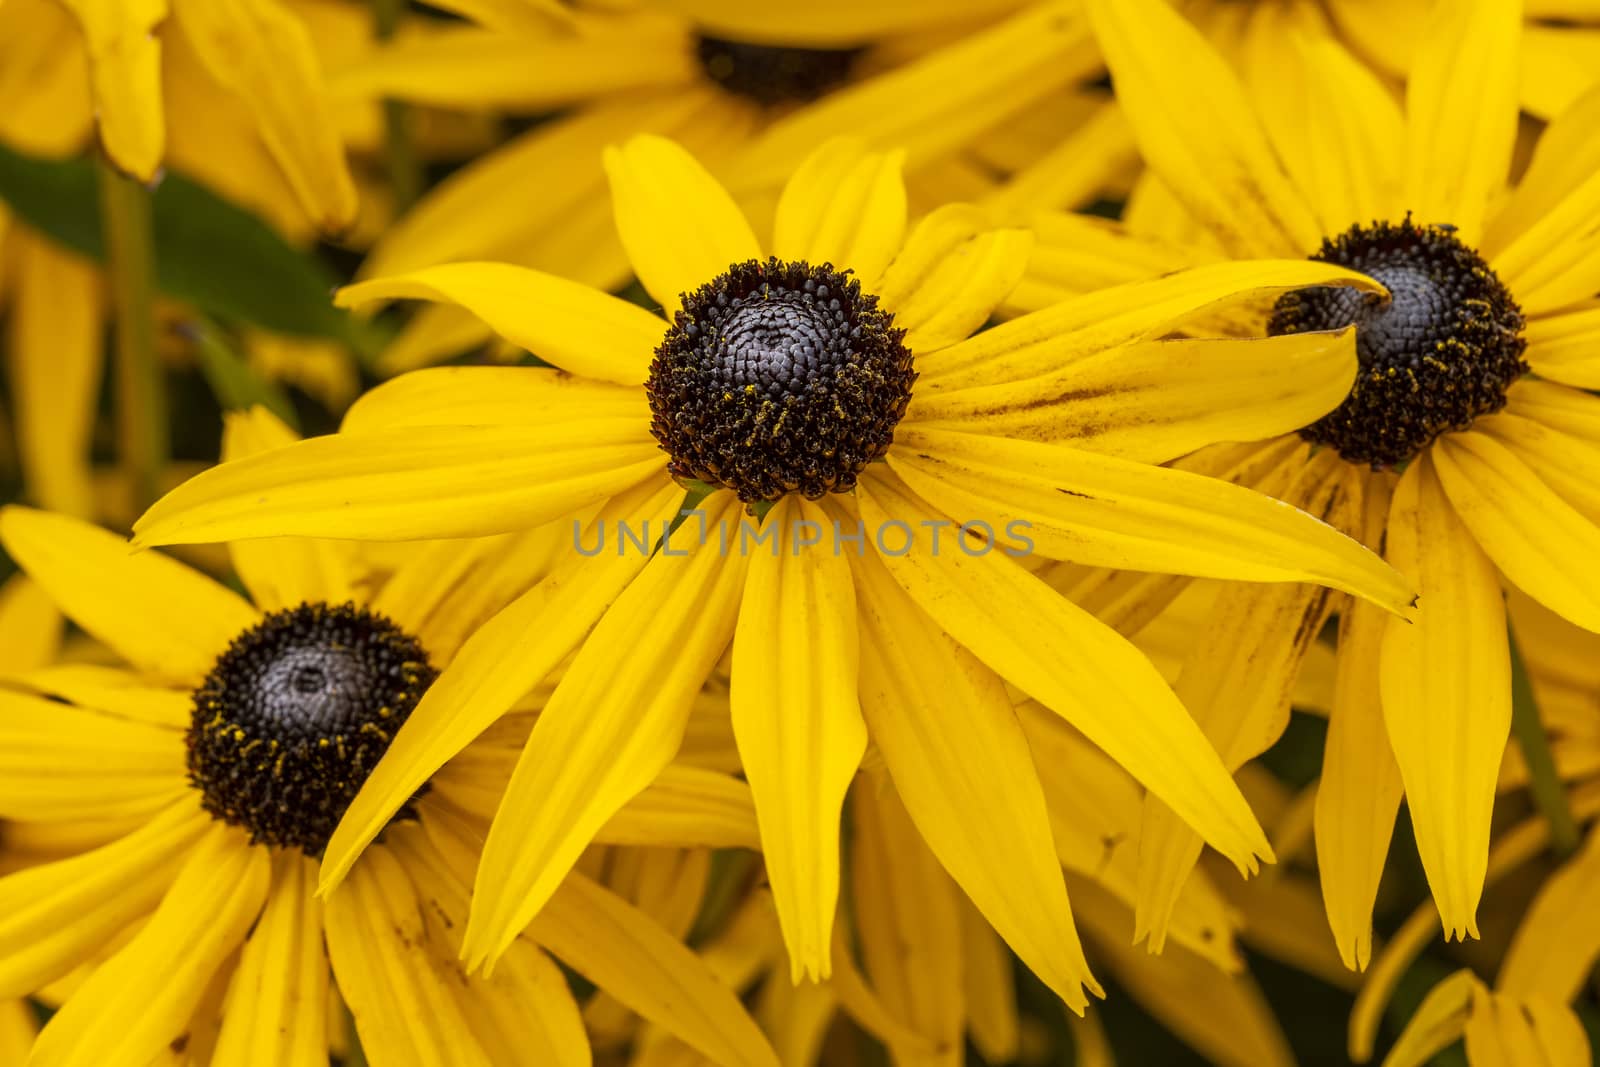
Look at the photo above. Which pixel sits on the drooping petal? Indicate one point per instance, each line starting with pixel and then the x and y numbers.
pixel 1461 112
pixel 1437 1023
pixel 1093 678
pixel 119 1017
pixel 1446 684
pixel 797 720
pixel 844 206
pixel 56 915
pixel 125 78
pixel 960 762
pixel 1104 511
pixel 55 361
pixel 1197 128
pixel 1259 633
pixel 264 53
pixel 907 924
pixel 1044 342
pixel 1360 789
pixel 408 483
pixel 680 227
pixel 1536 538
pixel 612 724
pixel 169 620
pixel 504 659
pixel 1158 400
pixel 579 329
pixel 276 1013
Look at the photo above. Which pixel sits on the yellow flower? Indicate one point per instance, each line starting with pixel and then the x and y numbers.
pixel 161 73
pixel 894 638
pixel 223 754
pixel 750 91
pixel 1499 465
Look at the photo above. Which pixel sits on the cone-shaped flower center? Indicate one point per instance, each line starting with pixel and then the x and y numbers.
pixel 1442 350
pixel 779 378
pixel 772 74
pixel 295 715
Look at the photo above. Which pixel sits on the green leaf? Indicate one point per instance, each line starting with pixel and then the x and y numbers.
pixel 234 382
pixel 209 252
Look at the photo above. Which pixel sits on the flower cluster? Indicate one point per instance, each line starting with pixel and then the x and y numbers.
pixel 812 535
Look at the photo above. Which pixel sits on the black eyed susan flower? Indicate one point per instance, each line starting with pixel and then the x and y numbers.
pixel 749 91
pixel 209 772
pixel 1467 448
pixel 829 386
pixel 143 63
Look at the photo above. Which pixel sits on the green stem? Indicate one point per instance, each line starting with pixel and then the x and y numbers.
pixel 141 394
pixel 1543 781
pixel 405 170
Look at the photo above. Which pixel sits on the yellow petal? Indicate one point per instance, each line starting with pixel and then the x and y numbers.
pixel 119 1017
pixel 55 361
pixel 499 664
pixel 1044 342
pixel 939 103
pixel 263 52
pixel 1359 792
pixel 1091 158
pixel 960 762
pixel 1566 464
pixel 579 329
pixel 1259 633
pixel 158 614
pixel 680 228
pixel 281 572
pixel 845 206
pixel 1565 347
pixel 59 762
pixel 1461 111
pixel 1530 222
pixel 59 914
pixel 491 396
pixel 1174 88
pixel 1355 137
pixel 526 1013
pixel 1223 1017
pixel 1438 1022
pixel 277 1005
pixel 408 483
pixel 1558 939
pixel 1533 536
pixel 116 691
pixel 396 980
pixel 687 806
pixel 622 951
pixel 1102 511
pixel 125 78
pixel 612 724
pixel 992 1009
pixel 797 720
pixel 18 1027
pixel 829 23
pixel 1073 665
pixel 32 625
pixel 471 68
pixel 1446 684
pixel 1503 1031
pixel 1159 400
pixel 907 923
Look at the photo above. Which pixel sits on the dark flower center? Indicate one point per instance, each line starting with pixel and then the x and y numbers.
pixel 295 715
pixel 1442 350
pixel 772 74
pixel 778 378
